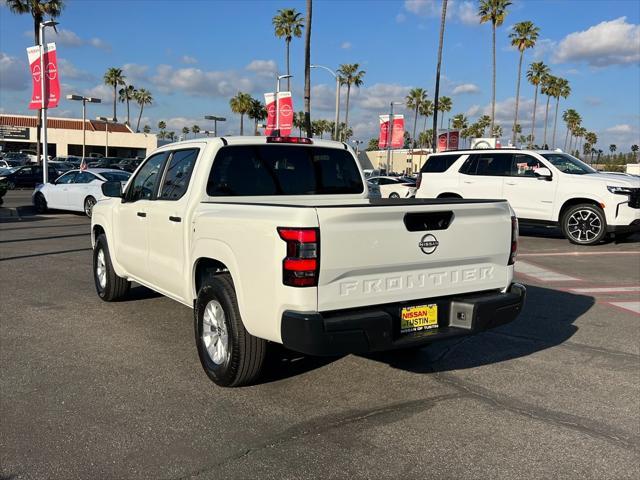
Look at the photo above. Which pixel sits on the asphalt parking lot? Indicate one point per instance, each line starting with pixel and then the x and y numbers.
pixel 97 390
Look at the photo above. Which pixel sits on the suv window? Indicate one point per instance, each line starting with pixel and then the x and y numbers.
pixel 524 165
pixel 439 163
pixel 488 164
pixel 144 183
pixel 283 170
pixel 178 174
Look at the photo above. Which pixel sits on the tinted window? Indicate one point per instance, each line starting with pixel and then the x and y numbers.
pixel 524 165
pixel 144 184
pixel 489 164
pixel 116 176
pixel 176 178
pixel 283 170
pixel 439 163
pixel 25 171
pixel 67 178
pixel 568 164
pixel 84 177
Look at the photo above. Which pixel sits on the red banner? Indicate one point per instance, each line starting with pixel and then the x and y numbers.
pixel 397 140
pixel 448 140
pixel 52 78
pixel 285 106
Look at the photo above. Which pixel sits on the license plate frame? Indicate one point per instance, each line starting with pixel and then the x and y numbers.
pixel 418 318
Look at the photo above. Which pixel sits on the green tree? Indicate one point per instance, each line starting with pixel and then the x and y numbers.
pixel 298 122
pixel 413 101
pixel 372 145
pixel 549 88
pixel 460 122
pixel 241 104
pixel 483 122
pixel 523 36
pixel 114 77
pixel 497 131
pixel 350 75
pixel 142 97
pixel 162 134
pixel 613 147
pixel 571 118
pixel 634 149
pixel 124 95
pixel 445 105
pixel 257 112
pixel 562 90
pixel 162 125
pixel 196 130
pixel 493 11
pixel 146 129
pixel 171 136
pixel 185 132
pixel 426 110
pixel 288 23
pixel 536 73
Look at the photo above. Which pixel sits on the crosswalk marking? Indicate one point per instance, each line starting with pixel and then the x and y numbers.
pixel 631 306
pixel 542 274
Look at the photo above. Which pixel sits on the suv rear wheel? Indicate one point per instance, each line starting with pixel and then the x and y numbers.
pixel 584 224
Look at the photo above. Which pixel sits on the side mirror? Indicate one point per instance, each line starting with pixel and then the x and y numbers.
pixel 112 189
pixel 543 173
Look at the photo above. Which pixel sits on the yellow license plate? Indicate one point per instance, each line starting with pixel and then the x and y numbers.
pixel 421 317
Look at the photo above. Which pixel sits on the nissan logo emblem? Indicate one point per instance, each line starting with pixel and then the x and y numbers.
pixel 428 244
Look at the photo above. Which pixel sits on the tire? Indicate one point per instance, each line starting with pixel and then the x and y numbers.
pixel 236 356
pixel 584 224
pixel 89 202
pixel 11 186
pixel 110 287
pixel 394 195
pixel 40 203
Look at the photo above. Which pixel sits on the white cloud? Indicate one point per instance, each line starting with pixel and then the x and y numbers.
pixel 593 101
pixel 462 11
pixel 376 97
pixel 194 81
pixel 614 42
pixel 346 45
pixel 421 7
pixel 623 135
pixel 69 70
pixel 188 60
pixel 135 74
pixel 467 13
pixel 543 47
pixel 266 68
pixel 69 38
pixel 466 88
pixel 14 73
pixel 472 111
pixel 620 129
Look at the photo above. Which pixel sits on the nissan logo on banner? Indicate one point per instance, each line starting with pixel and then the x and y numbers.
pixel 51 77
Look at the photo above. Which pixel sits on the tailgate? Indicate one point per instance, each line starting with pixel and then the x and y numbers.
pixel 369 256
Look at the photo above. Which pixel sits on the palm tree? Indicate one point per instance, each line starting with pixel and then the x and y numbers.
pixel 460 122
pixel 142 97
pixel 171 136
pixel 328 126
pixel 350 75
pixel 288 24
pixel 536 74
pixel 483 122
pixel 241 104
pixel 257 112
pixel 162 125
pixel 591 139
pixel 185 132
pixel 162 134
pixel 576 121
pixel 414 100
pixel 497 131
pixel 445 105
pixel 562 90
pixel 307 69
pixel 569 116
pixel 317 128
pixel 195 129
pixel 613 147
pixel 124 95
pixel 443 18
pixel 114 77
pixel 38 9
pixel 493 11
pixel 523 36
pixel 634 149
pixel 549 88
pixel 146 129
pixel 298 122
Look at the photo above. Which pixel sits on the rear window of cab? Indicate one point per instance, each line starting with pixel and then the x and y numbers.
pixel 439 163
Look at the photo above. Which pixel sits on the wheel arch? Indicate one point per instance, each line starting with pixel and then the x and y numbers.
pixel 577 201
pixel 449 195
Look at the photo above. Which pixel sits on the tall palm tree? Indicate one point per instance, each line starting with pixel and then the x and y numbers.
pixel 298 122
pixel 426 110
pixel 142 97
pixel 256 113
pixel 124 95
pixel 483 122
pixel 162 125
pixel 38 9
pixel 241 104
pixel 444 106
pixel 350 75
pixel 288 23
pixel 460 122
pixel 634 149
pixel 523 36
pixel 549 88
pixel 162 134
pixel 415 98
pixel 493 11
pixel 171 136
pixel 443 19
pixel 568 116
pixel 114 77
pixel 196 130
pixel 535 74
pixel 613 147
pixel 307 69
pixel 562 90
pixel 185 132
pixel 146 129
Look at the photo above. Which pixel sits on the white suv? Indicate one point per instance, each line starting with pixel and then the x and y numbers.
pixel 543 187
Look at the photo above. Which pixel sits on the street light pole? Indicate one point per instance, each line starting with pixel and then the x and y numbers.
pixel 337 119
pixel 43 74
pixel 106 129
pixel 84 101
pixel 276 132
pixel 215 122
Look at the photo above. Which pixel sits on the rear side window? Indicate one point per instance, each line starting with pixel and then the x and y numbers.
pixel 178 174
pixel 439 163
pixel 255 170
pixel 488 164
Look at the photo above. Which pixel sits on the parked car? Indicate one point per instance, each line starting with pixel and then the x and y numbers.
pixel 547 188
pixel 61 166
pixel 76 190
pixel 273 239
pixel 27 177
pixel 129 164
pixel 15 159
pixel 374 190
pixel 106 162
pixel 394 187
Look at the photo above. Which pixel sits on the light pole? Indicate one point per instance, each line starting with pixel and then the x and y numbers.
pixel 43 74
pixel 215 122
pixel 390 133
pixel 357 143
pixel 276 132
pixel 84 101
pixel 106 129
pixel 337 119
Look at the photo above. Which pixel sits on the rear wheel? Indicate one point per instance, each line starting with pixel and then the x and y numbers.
pixel 394 195
pixel 89 202
pixel 110 287
pixel 40 203
pixel 584 224
pixel 230 356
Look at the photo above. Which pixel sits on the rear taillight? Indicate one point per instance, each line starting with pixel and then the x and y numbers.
pixel 301 266
pixel 419 180
pixel 514 241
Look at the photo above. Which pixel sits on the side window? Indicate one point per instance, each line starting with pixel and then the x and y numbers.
pixel 84 177
pixel 67 178
pixel 470 165
pixel 178 174
pixel 524 165
pixel 144 183
pixel 24 172
pixel 439 163
pixel 493 164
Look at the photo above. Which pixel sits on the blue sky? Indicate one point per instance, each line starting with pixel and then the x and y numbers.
pixel 194 55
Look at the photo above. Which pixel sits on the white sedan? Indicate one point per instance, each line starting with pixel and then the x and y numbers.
pixel 76 190
pixel 394 187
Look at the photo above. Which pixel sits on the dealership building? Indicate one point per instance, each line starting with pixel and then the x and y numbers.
pixel 64 137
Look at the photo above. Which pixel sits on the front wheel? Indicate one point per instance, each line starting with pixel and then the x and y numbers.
pixel 89 202
pixel 394 195
pixel 230 356
pixel 584 224
pixel 41 203
pixel 110 287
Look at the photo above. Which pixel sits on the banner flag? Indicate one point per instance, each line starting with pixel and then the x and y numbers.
pixel 285 106
pixel 270 103
pixel 448 140
pixel 397 141
pixel 52 78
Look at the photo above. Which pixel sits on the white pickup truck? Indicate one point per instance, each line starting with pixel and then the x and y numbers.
pixel 274 240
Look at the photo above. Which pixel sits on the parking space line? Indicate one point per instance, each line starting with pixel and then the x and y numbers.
pixel 633 307
pixel 542 274
pixel 622 289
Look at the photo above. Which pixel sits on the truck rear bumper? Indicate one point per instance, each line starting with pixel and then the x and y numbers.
pixel 377 328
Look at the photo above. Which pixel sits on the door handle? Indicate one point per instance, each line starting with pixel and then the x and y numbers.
pixel 141 214
pixel 468 181
pixel 510 183
pixel 175 219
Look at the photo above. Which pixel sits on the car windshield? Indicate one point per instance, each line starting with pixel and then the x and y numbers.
pixel 116 176
pixel 568 164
